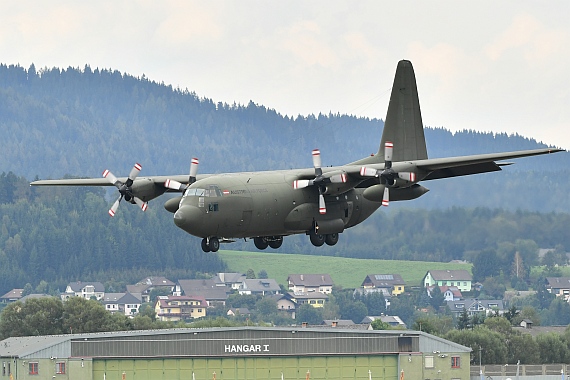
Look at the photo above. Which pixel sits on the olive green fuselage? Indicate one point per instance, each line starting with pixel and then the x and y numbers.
pixel 245 205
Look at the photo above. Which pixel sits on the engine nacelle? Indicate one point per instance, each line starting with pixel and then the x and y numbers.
pixel 146 189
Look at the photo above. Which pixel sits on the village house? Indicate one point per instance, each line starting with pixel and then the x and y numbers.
pixel 460 278
pixel 307 283
pixel 179 308
pixel 392 283
pixel 124 303
pixel 559 286
pixel 87 290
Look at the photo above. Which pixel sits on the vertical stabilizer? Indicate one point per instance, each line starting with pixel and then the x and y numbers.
pixel 403 125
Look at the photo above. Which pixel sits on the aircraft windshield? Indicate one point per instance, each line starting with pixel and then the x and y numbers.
pixel 195 193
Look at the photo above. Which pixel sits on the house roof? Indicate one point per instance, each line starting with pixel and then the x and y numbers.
pixel 78 285
pixel 261 285
pixel 156 281
pixel 362 291
pixel 558 282
pixel 229 278
pixel 339 322
pixel 122 298
pixel 453 289
pixel 451 275
pixel 138 288
pixel 13 294
pixel 311 280
pixel 306 296
pixel 470 302
pixel 163 300
pixel 206 288
pixel 393 320
pixel 384 280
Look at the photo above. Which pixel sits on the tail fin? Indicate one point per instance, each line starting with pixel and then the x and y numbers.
pixel 403 125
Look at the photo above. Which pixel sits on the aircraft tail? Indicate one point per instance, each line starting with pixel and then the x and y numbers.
pixel 403 125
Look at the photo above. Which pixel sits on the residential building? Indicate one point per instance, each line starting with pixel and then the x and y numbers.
pixel 87 290
pixel 476 306
pixel 12 296
pixel 148 284
pixel 393 283
pixel 177 308
pixel 261 287
pixel 307 283
pixel 125 303
pixel 206 288
pixel 450 293
pixel 232 280
pixel 460 278
pixel 315 299
pixel 559 286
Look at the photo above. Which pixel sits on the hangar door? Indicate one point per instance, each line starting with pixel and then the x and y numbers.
pixel 361 367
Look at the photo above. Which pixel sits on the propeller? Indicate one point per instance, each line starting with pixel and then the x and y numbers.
pixel 387 175
pixel 320 181
pixel 175 185
pixel 125 189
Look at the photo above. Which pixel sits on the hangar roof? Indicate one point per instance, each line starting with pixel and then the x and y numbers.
pixel 230 341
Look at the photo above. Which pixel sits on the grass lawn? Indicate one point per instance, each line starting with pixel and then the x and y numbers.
pixel 345 272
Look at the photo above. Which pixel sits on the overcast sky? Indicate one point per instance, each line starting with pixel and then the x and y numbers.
pixel 501 66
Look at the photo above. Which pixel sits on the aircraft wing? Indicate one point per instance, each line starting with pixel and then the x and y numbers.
pixel 158 180
pixel 475 164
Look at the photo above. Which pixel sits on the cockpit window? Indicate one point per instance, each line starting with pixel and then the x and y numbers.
pixel 211 191
pixel 195 192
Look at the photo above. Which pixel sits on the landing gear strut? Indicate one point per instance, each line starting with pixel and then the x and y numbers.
pixel 210 244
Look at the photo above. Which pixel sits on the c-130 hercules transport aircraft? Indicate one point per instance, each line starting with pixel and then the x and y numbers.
pixel 320 202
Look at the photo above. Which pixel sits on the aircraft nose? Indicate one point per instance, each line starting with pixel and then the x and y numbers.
pixel 188 218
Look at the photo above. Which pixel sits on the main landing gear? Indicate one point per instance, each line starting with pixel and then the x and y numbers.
pixel 262 242
pixel 210 244
pixel 318 240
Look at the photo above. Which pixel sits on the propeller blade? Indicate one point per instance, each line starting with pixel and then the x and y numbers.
pixel 368 172
pixel 143 205
pixel 110 177
pixel 322 205
pixel 388 150
pixel 317 162
pixel 115 206
pixel 135 171
pixel 338 178
pixel 386 197
pixel 193 170
pixel 174 185
pixel 301 183
pixel 408 176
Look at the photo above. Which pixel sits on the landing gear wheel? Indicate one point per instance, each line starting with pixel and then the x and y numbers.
pixel 276 243
pixel 205 246
pixel 316 239
pixel 214 244
pixel 260 243
pixel 331 239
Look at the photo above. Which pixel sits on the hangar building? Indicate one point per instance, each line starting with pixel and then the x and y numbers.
pixel 235 353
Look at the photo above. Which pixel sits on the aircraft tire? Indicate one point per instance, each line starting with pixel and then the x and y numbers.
pixel 205 246
pixel 214 244
pixel 316 239
pixel 260 243
pixel 276 243
pixel 331 239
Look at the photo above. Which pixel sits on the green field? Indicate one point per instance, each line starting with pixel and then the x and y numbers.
pixel 345 272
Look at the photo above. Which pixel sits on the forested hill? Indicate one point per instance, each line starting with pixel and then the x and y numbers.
pixel 81 121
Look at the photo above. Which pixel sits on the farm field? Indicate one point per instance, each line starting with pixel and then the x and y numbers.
pixel 345 272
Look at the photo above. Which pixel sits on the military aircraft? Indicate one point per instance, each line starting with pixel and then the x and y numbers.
pixel 321 201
